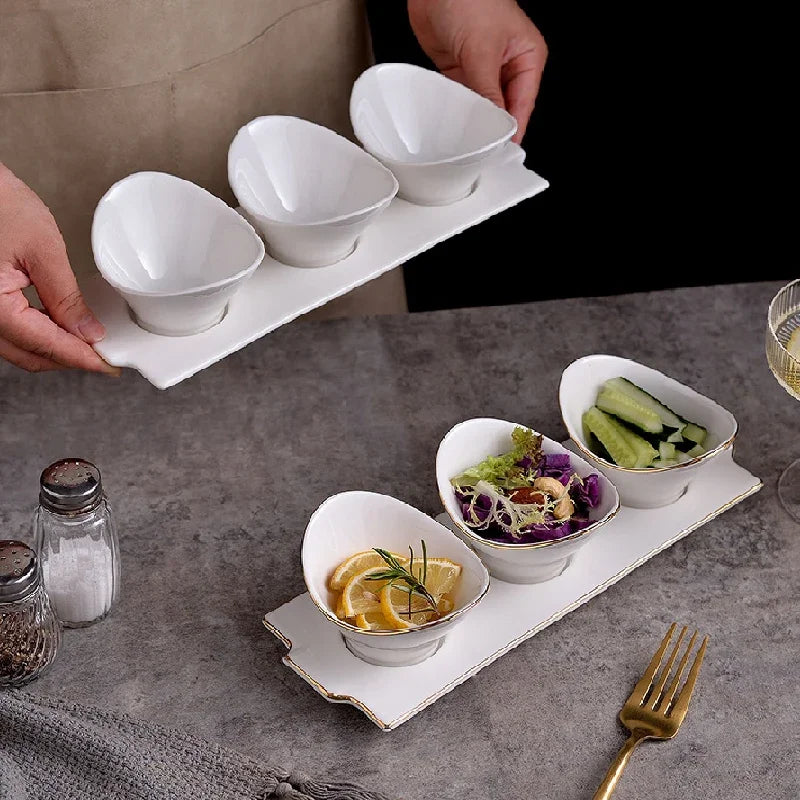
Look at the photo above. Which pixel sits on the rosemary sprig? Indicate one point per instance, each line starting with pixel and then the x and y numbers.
pixel 397 573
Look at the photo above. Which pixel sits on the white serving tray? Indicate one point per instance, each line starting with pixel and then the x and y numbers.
pixel 508 615
pixel 277 294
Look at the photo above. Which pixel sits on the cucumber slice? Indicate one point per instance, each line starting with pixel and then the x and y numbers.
pixel 587 434
pixel 623 406
pixel 645 452
pixel 666 451
pixel 596 446
pixel 675 437
pixel 694 433
pixel 663 462
pixel 607 430
pixel 643 398
pixel 697 450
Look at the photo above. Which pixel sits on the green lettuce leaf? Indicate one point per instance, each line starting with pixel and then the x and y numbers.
pixel 502 471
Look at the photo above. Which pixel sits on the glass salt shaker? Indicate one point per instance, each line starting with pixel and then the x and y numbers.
pixel 75 535
pixel 30 633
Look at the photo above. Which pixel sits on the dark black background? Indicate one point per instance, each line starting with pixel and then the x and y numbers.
pixel 650 127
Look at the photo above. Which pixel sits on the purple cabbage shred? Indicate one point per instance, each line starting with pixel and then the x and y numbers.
pixel 585 495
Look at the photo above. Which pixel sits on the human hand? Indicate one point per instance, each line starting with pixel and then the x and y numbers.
pixel 491 46
pixel 32 252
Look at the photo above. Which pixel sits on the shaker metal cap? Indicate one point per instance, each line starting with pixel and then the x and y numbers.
pixel 19 570
pixel 71 485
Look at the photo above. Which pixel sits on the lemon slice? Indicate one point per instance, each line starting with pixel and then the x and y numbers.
pixel 361 595
pixel 445 605
pixel 440 579
pixel 394 604
pixel 374 621
pixel 442 575
pixel 355 564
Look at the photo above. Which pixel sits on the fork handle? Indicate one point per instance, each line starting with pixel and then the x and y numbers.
pixel 615 770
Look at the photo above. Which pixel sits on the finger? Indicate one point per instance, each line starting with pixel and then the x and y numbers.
pixel 12 279
pixel 25 360
pixel 32 331
pixel 480 68
pixel 521 98
pixel 523 76
pixel 51 274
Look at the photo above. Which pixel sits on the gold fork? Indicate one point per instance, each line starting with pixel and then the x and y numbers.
pixel 651 712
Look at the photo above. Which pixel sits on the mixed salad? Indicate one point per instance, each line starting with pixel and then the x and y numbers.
pixel 526 495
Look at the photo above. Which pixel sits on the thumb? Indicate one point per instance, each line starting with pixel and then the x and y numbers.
pixel 51 274
pixel 481 67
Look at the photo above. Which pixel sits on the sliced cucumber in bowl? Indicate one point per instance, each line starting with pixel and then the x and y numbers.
pixel 622 445
pixel 626 408
pixel 638 395
pixel 633 429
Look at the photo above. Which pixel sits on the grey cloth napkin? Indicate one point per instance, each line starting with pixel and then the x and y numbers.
pixel 51 749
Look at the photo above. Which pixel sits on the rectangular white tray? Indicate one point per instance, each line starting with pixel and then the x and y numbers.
pixel 508 615
pixel 277 294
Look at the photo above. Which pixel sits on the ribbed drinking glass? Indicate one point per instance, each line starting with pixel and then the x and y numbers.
pixel 783 357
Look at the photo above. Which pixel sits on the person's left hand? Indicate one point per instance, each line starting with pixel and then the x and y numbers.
pixel 491 46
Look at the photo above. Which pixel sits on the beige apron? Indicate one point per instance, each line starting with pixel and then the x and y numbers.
pixel 93 90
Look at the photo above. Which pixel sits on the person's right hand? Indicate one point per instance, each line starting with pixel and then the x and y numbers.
pixel 32 252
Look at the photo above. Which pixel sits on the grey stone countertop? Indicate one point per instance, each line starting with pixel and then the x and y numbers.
pixel 213 481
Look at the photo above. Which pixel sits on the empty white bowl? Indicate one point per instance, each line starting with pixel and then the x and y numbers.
pixel 434 133
pixel 466 445
pixel 308 190
pixel 174 251
pixel 650 487
pixel 353 522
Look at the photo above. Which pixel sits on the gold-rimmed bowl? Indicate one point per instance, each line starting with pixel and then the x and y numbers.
pixel 467 444
pixel 649 487
pixel 357 521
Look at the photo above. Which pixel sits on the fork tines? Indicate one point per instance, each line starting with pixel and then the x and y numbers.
pixel 650 691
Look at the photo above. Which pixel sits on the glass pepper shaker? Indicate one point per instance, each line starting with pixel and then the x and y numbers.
pixel 75 535
pixel 30 633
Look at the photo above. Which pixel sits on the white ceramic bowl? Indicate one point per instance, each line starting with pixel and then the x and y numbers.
pixel 652 487
pixel 174 251
pixel 466 445
pixel 310 192
pixel 353 522
pixel 434 133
